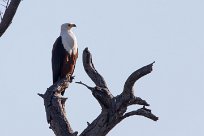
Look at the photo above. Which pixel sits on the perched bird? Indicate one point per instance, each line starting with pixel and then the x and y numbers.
pixel 64 54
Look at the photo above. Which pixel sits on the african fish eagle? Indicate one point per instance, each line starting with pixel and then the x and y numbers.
pixel 64 54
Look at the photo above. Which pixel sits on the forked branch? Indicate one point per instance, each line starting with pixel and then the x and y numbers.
pixel 113 108
pixel 8 15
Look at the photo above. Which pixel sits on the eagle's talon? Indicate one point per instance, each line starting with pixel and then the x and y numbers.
pixel 71 79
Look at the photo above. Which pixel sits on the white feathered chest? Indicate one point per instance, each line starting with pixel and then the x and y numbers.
pixel 69 41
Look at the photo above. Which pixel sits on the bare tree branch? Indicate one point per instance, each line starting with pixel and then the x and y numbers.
pixel 102 95
pixel 7 4
pixel 8 15
pixel 90 88
pixel 128 87
pixel 137 100
pixel 142 112
pixel 91 71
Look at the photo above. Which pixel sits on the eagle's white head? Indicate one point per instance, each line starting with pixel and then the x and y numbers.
pixel 67 26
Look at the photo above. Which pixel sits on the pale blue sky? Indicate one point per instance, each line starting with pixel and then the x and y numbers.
pixel 122 36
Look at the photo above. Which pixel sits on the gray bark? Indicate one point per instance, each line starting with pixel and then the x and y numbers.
pixel 8 15
pixel 55 109
pixel 113 107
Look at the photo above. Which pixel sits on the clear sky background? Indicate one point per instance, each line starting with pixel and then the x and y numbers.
pixel 122 37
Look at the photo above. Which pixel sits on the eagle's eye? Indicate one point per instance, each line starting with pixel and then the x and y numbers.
pixel 69 25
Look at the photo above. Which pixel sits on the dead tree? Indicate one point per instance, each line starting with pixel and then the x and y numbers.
pixel 7 17
pixel 113 107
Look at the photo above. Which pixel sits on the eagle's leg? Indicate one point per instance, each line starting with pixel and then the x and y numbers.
pixel 70 77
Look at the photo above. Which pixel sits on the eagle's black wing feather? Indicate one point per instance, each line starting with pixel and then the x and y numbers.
pixel 57 59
